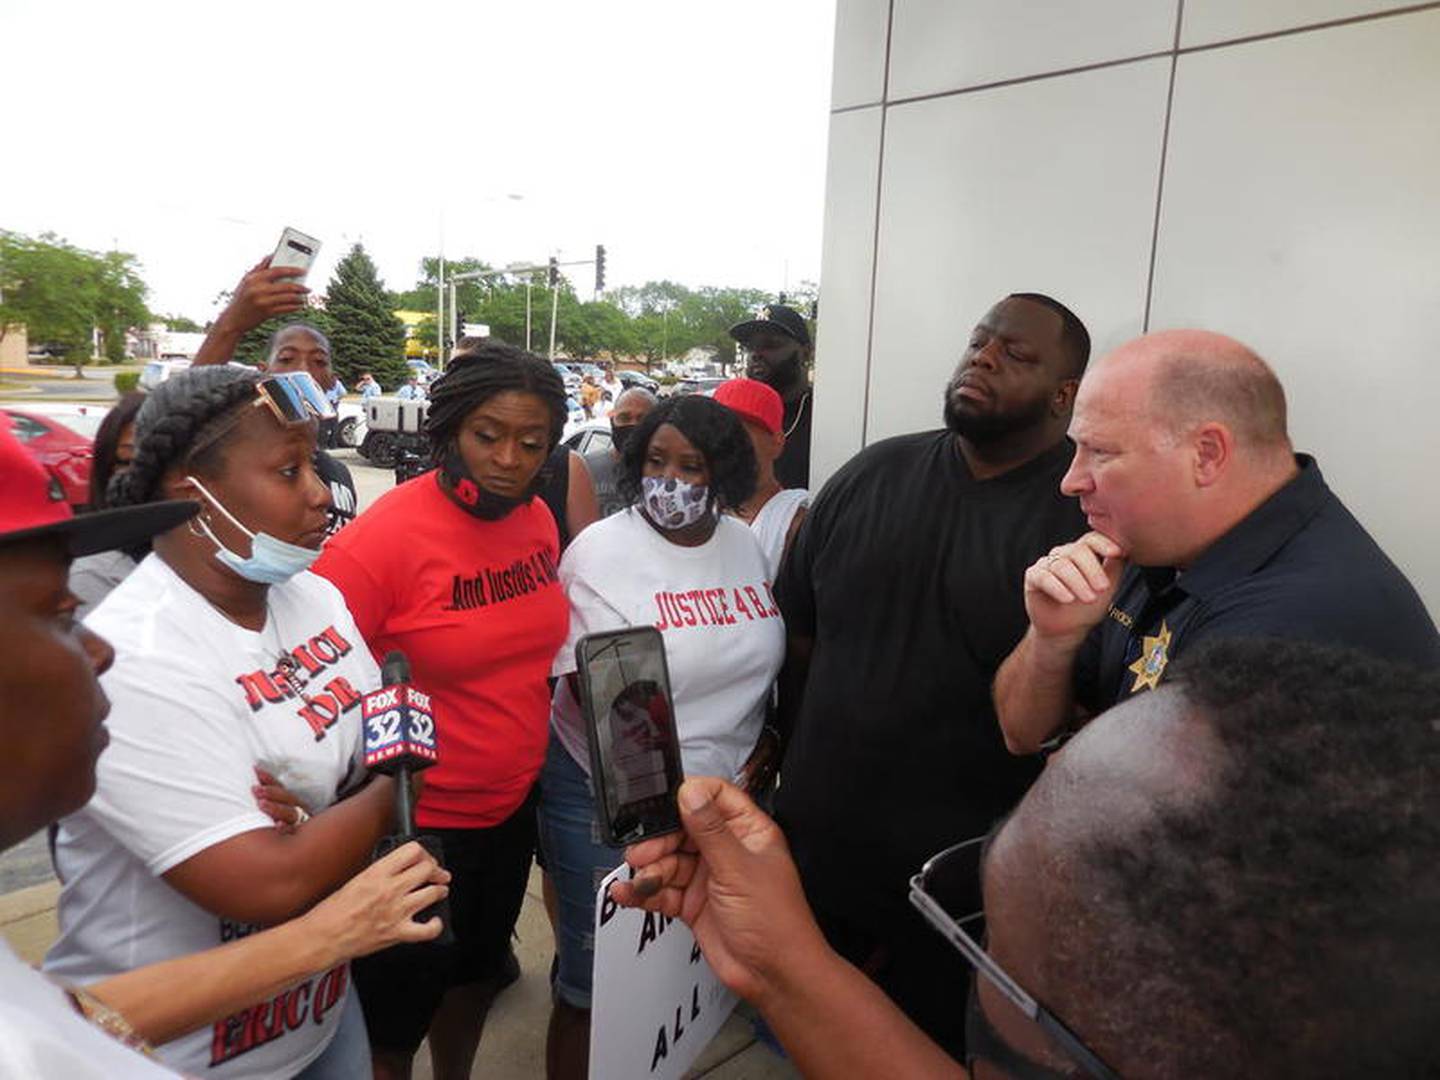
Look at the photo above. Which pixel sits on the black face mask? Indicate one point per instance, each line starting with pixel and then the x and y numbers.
pixel 465 491
pixel 620 436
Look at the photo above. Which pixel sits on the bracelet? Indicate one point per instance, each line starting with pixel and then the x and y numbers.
pixel 108 1020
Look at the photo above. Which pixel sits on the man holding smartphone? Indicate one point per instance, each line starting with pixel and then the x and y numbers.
pixel 901 595
pixel 263 293
pixel 1233 875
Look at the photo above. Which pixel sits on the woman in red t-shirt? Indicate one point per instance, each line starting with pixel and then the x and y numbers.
pixel 457 568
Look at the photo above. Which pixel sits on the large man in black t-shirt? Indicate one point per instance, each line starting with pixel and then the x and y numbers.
pixel 1204 524
pixel 901 597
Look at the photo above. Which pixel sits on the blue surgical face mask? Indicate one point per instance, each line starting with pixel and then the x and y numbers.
pixel 271 561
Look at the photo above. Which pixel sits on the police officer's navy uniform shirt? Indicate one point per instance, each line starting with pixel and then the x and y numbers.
pixel 1299 567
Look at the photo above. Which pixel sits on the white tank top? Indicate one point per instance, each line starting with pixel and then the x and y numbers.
pixel 772 524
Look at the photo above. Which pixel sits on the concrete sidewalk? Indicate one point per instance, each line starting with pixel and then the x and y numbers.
pixel 514 1044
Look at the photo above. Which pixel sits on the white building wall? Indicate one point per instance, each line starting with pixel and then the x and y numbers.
pixel 1266 168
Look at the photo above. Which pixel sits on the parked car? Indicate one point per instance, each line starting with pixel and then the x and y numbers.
pixel 66 455
pixel 589 437
pixel 630 379
pixel 704 386
pixel 568 377
pixel 352 428
pixel 157 371
pixel 81 418
pixel 574 417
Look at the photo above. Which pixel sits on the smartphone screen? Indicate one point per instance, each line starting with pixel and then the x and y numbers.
pixel 630 718
pixel 295 249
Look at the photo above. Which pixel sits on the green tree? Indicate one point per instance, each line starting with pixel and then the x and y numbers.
pixel 119 302
pixel 62 294
pixel 365 335
pixel 181 324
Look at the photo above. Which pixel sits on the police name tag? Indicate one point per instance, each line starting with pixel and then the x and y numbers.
pixel 656 1004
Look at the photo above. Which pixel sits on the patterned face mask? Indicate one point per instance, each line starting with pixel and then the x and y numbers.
pixel 674 504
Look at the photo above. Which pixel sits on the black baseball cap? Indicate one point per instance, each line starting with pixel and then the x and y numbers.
pixel 33 507
pixel 777 317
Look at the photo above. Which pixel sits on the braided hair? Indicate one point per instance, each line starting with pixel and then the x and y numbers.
pixel 180 415
pixel 107 443
pixel 474 377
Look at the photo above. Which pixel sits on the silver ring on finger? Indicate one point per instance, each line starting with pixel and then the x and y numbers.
pixel 301 816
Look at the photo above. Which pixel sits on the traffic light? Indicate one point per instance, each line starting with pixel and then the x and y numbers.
pixel 599 268
pixel 553 277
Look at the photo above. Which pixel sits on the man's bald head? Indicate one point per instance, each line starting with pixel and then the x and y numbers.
pixel 1180 435
pixel 637 400
pixel 1195 376
pixel 1238 873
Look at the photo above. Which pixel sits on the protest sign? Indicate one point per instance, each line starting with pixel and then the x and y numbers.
pixel 656 1004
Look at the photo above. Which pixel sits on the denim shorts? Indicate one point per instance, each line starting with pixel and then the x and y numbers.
pixel 577 861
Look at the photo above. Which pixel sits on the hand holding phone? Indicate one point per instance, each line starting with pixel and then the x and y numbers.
pixel 630 720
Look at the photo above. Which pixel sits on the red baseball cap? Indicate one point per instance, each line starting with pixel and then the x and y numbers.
pixel 753 400
pixel 33 507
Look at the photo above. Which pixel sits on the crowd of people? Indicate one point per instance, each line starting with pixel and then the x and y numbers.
pixel 1094 700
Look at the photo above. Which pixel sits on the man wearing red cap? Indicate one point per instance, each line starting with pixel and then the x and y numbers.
pixel 773 513
pixel 901 595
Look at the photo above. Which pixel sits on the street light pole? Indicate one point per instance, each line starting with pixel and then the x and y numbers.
pixel 454 323
pixel 528 283
pixel 554 309
pixel 440 315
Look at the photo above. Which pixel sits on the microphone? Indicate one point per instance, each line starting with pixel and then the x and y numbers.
pixel 399 728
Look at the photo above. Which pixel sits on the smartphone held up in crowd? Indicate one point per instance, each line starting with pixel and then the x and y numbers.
pixel 295 249
pixel 630 719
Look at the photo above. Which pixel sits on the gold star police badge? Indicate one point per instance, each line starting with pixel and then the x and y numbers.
pixel 1150 665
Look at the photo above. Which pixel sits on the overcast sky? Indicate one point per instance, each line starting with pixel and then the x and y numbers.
pixel 686 136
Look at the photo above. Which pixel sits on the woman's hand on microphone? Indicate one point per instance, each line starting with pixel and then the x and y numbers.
pixel 376 908
pixel 278 803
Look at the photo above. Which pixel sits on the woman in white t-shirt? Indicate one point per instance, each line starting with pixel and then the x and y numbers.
pixel 51 721
pixel 231 658
pixel 673 560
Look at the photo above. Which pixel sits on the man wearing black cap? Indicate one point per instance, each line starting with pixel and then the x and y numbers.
pixel 778 342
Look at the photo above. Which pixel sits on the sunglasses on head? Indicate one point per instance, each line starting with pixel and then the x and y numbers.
pixel 294 397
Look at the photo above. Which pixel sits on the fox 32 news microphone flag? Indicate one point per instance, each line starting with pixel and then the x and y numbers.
pixel 399 740
pixel 399 722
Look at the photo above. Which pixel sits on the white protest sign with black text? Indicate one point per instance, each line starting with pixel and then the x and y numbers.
pixel 656 1004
